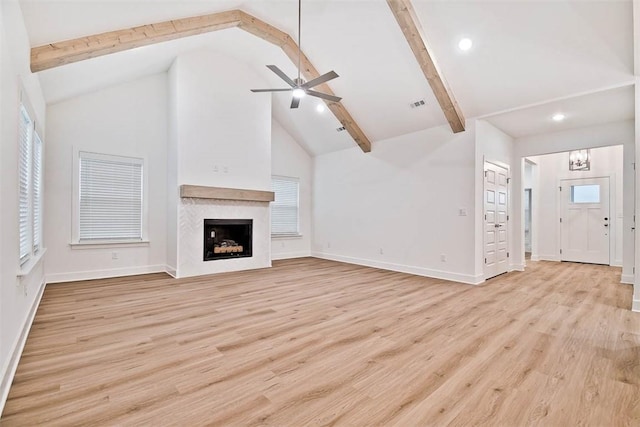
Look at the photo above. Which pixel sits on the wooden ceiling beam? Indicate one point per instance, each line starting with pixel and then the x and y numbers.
pixel 70 51
pixel 410 25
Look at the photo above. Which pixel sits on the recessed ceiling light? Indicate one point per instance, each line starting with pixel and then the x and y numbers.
pixel 298 93
pixel 558 117
pixel 320 108
pixel 465 44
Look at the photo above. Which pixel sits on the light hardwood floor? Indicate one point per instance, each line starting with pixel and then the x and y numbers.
pixel 314 342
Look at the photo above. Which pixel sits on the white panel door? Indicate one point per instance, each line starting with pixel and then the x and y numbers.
pixel 496 243
pixel 585 220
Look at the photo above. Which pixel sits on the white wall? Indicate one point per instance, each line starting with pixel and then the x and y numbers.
pixel 495 146
pixel 223 129
pixel 289 159
pixel 173 191
pixel 124 120
pixel 615 133
pixel 605 161
pixel 18 297
pixel 402 199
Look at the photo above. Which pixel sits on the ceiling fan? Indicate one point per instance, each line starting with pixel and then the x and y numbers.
pixel 299 87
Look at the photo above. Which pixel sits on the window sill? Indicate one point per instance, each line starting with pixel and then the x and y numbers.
pixel 286 236
pixel 27 267
pixel 102 244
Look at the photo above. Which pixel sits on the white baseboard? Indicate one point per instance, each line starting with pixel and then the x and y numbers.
pixel 418 271
pixel 627 279
pixel 636 305
pixel 548 258
pixel 535 257
pixel 171 271
pixel 289 255
pixel 516 267
pixel 616 263
pixel 9 370
pixel 105 274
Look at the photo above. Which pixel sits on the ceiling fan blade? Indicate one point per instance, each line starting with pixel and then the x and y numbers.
pixel 295 102
pixel 323 95
pixel 319 80
pixel 271 90
pixel 281 74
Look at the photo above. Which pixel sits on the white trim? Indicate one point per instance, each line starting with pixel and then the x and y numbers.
pixel 11 365
pixel 554 257
pixel 535 257
pixel 105 244
pixel 516 267
pixel 25 269
pixel 636 306
pixel 105 274
pixel 171 271
pixel 289 255
pixel 409 269
pixel 627 279
pixel 287 236
pixel 616 263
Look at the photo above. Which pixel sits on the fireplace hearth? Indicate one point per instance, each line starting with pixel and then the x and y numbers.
pixel 227 238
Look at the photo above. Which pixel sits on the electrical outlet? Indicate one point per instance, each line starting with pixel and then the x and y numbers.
pixel 215 168
pixel 462 212
pixel 443 258
pixel 114 255
pixel 381 251
pixel 225 169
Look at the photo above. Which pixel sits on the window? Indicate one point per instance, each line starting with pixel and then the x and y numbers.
pixel 30 170
pixel 110 198
pixel 24 171
pixel 585 193
pixel 284 210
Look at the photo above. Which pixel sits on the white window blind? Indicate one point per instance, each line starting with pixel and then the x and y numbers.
pixel 284 210
pixel 24 170
pixel 110 197
pixel 36 175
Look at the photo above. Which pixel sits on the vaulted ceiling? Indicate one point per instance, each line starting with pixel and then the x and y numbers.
pixel 524 53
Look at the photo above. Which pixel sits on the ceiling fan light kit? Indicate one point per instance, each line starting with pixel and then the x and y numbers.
pixel 299 87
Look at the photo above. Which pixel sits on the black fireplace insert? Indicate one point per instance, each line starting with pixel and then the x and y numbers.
pixel 227 238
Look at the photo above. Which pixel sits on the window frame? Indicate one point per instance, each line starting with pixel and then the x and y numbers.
pixel 34 251
pixel 286 234
pixel 76 242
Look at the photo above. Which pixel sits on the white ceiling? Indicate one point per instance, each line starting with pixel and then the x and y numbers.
pixel 524 52
pixel 591 109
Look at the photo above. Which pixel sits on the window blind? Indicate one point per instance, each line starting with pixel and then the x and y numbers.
pixel 36 175
pixel 284 210
pixel 25 131
pixel 110 197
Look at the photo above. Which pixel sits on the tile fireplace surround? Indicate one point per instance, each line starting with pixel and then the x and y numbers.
pixel 198 203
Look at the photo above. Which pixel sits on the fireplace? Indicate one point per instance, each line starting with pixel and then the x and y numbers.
pixel 227 238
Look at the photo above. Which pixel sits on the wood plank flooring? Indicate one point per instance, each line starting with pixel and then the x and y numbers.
pixel 315 342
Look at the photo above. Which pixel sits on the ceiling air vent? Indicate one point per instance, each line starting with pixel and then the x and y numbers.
pixel 341 128
pixel 417 104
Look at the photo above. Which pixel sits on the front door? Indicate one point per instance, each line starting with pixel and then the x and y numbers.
pixel 496 199
pixel 585 220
